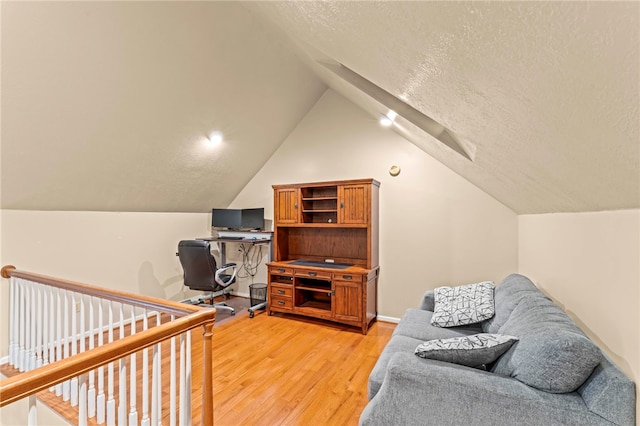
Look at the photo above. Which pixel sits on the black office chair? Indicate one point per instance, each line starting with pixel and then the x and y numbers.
pixel 202 274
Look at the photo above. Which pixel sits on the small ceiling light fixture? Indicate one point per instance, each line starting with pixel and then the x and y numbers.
pixel 215 138
pixel 387 119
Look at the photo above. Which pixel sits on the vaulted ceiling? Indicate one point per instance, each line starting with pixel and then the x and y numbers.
pixel 100 101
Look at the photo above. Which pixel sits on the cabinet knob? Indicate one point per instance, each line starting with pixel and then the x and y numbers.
pixel 295 206
pixel 347 277
pixel 280 302
pixel 341 205
pixel 313 274
pixel 280 291
pixel 280 270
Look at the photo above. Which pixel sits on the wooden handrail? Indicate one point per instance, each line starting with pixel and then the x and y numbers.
pixel 190 317
pixel 147 302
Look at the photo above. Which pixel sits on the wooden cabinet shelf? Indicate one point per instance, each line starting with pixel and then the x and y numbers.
pixel 326 224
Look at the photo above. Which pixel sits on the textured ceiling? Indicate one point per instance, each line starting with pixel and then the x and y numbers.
pixel 104 104
pixel 545 94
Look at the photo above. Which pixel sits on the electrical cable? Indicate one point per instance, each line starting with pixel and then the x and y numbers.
pixel 251 259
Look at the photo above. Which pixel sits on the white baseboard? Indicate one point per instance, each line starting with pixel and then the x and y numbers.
pixel 4 360
pixel 388 319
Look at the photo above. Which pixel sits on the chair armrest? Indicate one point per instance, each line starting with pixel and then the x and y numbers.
pixel 428 301
pixel 225 267
pixel 418 391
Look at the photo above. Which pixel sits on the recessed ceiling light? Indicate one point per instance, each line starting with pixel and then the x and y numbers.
pixel 385 121
pixel 215 138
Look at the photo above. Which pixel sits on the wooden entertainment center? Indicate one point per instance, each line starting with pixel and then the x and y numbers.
pixel 325 245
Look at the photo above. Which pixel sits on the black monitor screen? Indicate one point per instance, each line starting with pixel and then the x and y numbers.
pixel 226 218
pixel 253 218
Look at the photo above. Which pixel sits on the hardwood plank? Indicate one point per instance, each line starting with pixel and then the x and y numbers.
pixel 279 370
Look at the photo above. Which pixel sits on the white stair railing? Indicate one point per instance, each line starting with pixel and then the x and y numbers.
pixel 63 338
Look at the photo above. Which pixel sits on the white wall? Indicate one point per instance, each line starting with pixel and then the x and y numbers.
pixel 435 227
pixel 589 263
pixel 16 414
pixel 133 252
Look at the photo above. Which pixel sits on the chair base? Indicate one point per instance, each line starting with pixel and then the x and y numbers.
pixel 201 301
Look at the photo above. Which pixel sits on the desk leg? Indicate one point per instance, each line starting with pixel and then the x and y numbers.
pixel 223 252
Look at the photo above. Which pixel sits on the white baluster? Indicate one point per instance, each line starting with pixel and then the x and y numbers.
pixel 74 347
pixel 33 411
pixel 22 326
pixel 159 384
pixel 188 414
pixel 145 375
pixel 44 324
pixel 100 400
pixel 82 401
pixel 91 392
pixel 14 321
pixel 52 324
pixel 172 380
pixel 183 374
pixel 59 339
pixel 32 326
pixel 122 379
pixel 39 327
pixel 66 391
pixel 155 387
pixel 111 403
pixel 133 412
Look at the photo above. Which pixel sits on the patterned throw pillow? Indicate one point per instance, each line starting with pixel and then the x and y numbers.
pixel 473 351
pixel 463 305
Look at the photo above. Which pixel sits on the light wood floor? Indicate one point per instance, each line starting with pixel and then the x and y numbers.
pixel 286 370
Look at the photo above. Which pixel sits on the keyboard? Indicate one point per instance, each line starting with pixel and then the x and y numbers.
pixel 232 238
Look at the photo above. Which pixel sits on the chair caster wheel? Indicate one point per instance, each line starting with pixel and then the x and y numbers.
pixel 233 312
pixel 251 314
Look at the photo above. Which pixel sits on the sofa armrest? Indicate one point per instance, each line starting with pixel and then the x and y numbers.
pixel 418 391
pixel 428 301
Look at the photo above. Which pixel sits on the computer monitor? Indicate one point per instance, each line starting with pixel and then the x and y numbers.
pixel 226 218
pixel 238 219
pixel 252 218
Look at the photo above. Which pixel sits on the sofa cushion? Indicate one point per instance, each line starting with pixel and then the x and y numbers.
pixel 475 351
pixel 463 305
pixel 396 344
pixel 552 354
pixel 416 323
pixel 506 297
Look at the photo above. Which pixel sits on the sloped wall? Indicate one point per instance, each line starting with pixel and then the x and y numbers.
pixel 436 228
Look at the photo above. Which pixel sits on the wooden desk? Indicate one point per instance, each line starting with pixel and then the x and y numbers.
pixel 223 240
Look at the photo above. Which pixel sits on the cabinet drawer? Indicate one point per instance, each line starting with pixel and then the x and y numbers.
pixel 279 302
pixel 356 278
pixel 281 290
pixel 281 271
pixel 313 274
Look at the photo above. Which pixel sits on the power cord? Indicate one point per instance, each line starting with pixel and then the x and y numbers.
pixel 251 259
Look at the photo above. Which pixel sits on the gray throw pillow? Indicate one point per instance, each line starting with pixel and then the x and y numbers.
pixel 555 361
pixel 473 351
pixel 463 305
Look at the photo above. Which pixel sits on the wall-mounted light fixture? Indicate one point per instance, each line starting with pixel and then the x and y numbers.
pixel 387 119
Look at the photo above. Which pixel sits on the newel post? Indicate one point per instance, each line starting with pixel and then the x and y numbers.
pixel 207 375
pixel 5 272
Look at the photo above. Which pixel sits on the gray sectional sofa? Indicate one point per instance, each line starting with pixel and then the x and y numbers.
pixel 553 374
